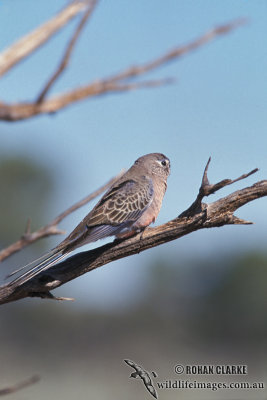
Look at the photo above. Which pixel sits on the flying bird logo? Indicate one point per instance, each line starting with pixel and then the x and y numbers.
pixel 140 372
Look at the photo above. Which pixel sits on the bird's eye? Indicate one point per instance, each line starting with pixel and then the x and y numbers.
pixel 164 163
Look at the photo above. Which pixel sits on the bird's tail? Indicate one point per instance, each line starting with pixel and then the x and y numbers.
pixel 45 262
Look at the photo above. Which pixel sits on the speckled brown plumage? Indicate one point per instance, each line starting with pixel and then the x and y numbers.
pixel 130 205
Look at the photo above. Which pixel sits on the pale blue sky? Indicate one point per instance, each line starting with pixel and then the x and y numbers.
pixel 217 107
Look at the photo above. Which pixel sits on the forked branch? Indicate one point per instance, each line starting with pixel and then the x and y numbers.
pixel 198 216
pixel 35 39
pixel 119 82
pixel 52 227
pixel 68 52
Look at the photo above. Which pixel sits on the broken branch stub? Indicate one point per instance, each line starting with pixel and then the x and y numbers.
pixel 197 216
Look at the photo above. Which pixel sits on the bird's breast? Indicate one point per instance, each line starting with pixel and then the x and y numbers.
pixel 151 213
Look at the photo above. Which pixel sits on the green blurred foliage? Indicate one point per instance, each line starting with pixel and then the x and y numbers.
pixel 25 191
pixel 230 309
pixel 223 299
pixel 209 311
pixel 192 310
pixel 238 307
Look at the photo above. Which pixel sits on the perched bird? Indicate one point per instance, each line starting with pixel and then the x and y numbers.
pixel 128 207
pixel 140 372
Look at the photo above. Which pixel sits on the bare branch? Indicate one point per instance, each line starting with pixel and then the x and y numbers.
pixel 112 84
pixel 19 386
pixel 51 228
pixel 207 189
pixel 218 213
pixel 178 52
pixel 21 111
pixel 68 52
pixel 86 200
pixel 31 42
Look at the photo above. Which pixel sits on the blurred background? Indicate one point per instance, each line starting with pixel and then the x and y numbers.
pixel 199 300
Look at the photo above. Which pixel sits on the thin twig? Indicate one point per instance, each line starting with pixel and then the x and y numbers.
pixel 111 84
pixel 86 200
pixel 22 111
pixel 31 42
pixel 206 189
pixel 216 214
pixel 178 52
pixel 19 386
pixel 65 60
pixel 52 227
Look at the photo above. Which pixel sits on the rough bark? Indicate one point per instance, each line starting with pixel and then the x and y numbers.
pixel 198 216
pixel 119 82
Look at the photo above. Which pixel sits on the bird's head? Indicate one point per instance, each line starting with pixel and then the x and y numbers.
pixel 134 375
pixel 155 164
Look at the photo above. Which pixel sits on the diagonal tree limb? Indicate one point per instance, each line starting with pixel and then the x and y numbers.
pixel 52 227
pixel 218 213
pixel 31 42
pixel 112 84
pixel 207 189
pixel 178 52
pixel 19 386
pixel 21 111
pixel 65 60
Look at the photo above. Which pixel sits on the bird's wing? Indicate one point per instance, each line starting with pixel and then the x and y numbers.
pixel 151 390
pixel 146 378
pixel 144 375
pixel 123 203
pixel 133 365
